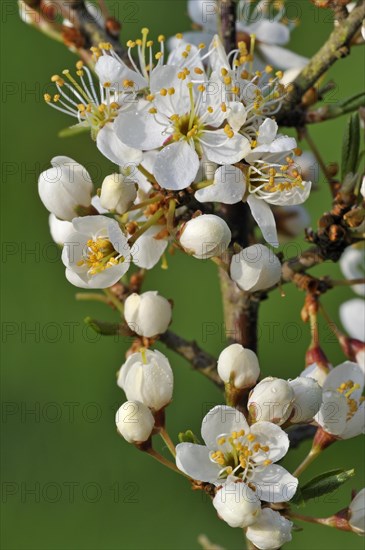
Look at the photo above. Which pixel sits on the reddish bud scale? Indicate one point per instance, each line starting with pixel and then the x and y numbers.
pixel 322 440
pixel 316 355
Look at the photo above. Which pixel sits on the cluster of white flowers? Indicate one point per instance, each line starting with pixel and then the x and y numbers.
pixel 190 131
pixel 196 126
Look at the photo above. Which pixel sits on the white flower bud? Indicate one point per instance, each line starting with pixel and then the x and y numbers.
pixel 307 399
pixel 134 421
pixel 59 229
pixel 357 513
pixel 255 268
pixel 271 400
pixel 147 314
pixel 147 377
pixel 118 193
pixel 205 236
pixel 237 505
pixel 270 531
pixel 316 372
pixel 65 187
pixel 239 366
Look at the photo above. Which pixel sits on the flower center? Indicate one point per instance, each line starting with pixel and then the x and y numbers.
pixel 99 255
pixel 239 454
pixel 273 178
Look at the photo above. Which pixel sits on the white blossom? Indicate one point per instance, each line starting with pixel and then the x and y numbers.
pixel 239 366
pixel 147 314
pixel 357 513
pixel 342 410
pixel 271 400
pixel 118 192
pixel 65 187
pixel 185 120
pixel 223 458
pixel 271 33
pixel 134 421
pixel 270 531
pixel 146 376
pixel 237 505
pixel 318 373
pixel 228 186
pixel 255 268
pixel 149 247
pixel 96 254
pixel 205 236
pixel 95 108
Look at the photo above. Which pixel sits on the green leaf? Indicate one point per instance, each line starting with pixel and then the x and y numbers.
pixel 321 485
pixel 188 437
pixel 102 327
pixel 351 146
pixel 73 130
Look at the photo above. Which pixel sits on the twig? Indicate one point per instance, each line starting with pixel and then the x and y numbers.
pixel 336 47
pixel 228 23
pixel 199 360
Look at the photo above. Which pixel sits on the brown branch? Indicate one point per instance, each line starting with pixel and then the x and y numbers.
pixel 336 47
pixel 228 23
pixel 199 360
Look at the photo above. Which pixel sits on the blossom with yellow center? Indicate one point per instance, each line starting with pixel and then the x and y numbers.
pixel 235 451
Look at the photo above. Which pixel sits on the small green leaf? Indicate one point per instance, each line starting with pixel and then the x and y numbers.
pixel 321 485
pixel 188 437
pixel 102 327
pixel 351 146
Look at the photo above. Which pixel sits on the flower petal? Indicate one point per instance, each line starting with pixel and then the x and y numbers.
pixel 229 186
pixel 219 420
pixel 352 315
pixel 223 150
pixel 342 373
pixel 274 437
pixel 147 250
pixel 356 425
pixel 281 57
pixel 176 166
pixel 194 461
pixel 139 129
pixel 333 412
pixel 113 149
pixel 264 218
pixel 270 32
pixel 274 484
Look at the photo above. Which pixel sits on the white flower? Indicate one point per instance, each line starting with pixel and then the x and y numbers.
pixel 228 187
pixel 205 236
pixel 307 399
pixel 95 109
pixel 147 377
pixel 352 264
pixel 271 34
pixel 65 187
pixel 59 229
pixel 255 268
pixel 118 192
pixel 227 438
pixel 271 400
pixel 238 366
pixel 237 505
pixel 274 179
pixel 134 421
pixel 342 411
pixel 185 120
pixel 270 531
pixel 357 513
pixel 147 314
pixel 352 315
pixel 96 254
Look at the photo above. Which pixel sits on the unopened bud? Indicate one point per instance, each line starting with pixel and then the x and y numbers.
pixel 134 421
pixel 271 400
pixel 238 366
pixel 147 314
pixel 255 268
pixel 205 236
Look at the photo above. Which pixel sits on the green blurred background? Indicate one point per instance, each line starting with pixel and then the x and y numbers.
pixel 68 480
